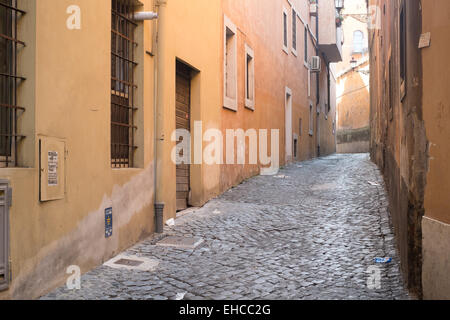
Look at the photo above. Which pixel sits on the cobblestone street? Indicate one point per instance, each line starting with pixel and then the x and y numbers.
pixel 310 233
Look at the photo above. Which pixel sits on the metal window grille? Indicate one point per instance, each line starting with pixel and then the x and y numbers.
pixel 122 83
pixel 9 82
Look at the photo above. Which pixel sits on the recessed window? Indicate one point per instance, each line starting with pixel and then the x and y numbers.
pixel 288 124
pixel 9 83
pixel 230 65
pixel 300 127
pixel 249 78
pixel 122 84
pixel 285 30
pixel 294 31
pixel 358 42
pixel 306 44
pixel 311 120
pixel 295 147
pixel 309 83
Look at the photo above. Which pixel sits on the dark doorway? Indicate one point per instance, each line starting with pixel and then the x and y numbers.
pixel 183 121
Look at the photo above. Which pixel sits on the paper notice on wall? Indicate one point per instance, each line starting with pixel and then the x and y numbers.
pixel 425 40
pixel 52 168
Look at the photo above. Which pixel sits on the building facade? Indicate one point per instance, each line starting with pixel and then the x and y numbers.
pixel 353 77
pixel 409 109
pixel 95 102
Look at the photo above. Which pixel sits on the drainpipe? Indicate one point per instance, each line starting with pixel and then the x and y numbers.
pixel 317 81
pixel 159 38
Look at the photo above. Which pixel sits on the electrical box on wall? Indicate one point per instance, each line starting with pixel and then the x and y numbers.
pixel 5 195
pixel 52 155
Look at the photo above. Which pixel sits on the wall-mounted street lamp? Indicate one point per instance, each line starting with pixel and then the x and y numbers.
pixel 353 63
pixel 339 4
pixel 145 15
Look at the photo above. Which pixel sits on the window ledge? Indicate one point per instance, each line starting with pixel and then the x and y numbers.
pixel 125 170
pixel 294 52
pixel 286 50
pixel 250 104
pixel 230 104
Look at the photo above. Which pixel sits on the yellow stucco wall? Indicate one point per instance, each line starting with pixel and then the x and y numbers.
pixel 70 71
pixel 72 102
pixel 353 100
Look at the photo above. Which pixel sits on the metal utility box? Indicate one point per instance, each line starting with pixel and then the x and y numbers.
pixel 5 201
pixel 52 155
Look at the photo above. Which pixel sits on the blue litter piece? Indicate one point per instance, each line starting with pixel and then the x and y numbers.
pixel 383 260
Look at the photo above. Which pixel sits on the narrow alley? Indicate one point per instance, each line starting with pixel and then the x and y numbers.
pixel 311 232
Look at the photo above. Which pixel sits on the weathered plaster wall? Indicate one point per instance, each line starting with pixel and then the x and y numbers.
pixel 398 141
pixel 436 114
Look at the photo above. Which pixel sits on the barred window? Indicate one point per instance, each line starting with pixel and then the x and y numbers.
pixel 9 82
pixel 122 83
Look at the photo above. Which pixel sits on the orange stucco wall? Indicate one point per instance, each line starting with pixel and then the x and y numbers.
pixel 353 101
pixel 260 27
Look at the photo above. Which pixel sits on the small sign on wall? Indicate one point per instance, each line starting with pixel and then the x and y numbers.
pixel 425 40
pixel 108 222
pixel 52 168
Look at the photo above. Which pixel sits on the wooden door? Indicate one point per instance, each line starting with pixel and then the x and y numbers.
pixel 183 121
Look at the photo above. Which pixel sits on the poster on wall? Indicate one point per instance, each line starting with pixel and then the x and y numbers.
pixel 52 168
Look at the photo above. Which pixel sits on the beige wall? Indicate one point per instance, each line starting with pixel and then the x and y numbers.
pixel 70 72
pixel 72 102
